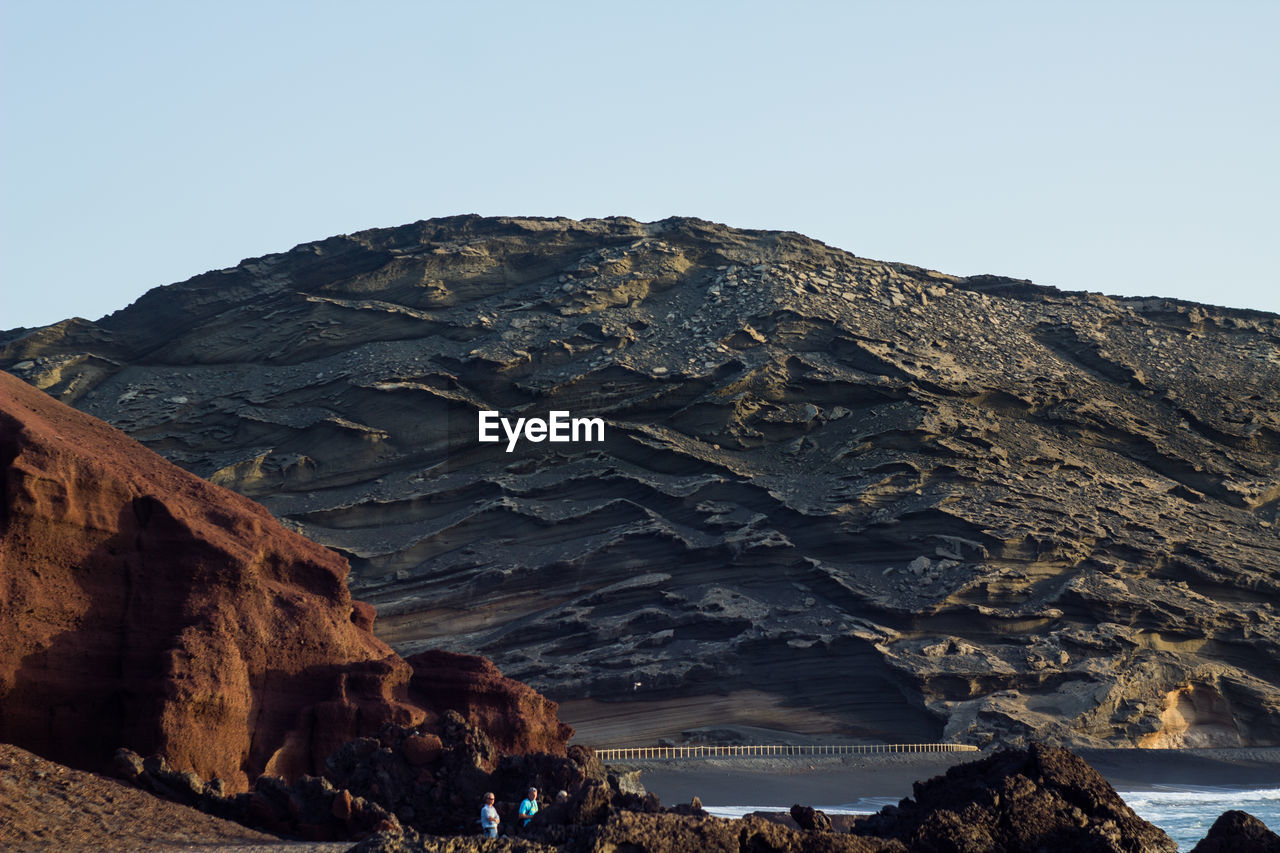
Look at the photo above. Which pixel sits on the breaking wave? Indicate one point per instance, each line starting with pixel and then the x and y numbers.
pixel 1186 813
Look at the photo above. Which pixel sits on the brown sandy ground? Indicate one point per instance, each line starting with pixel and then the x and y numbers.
pixel 45 806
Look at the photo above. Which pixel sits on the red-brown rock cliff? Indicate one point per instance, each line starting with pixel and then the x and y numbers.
pixel 517 718
pixel 141 606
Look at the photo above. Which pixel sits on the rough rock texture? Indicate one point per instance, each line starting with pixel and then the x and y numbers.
pixel 413 842
pixel 437 801
pixel 1038 798
pixel 632 832
pixel 807 817
pixel 930 507
pixel 1238 832
pixel 391 782
pixel 144 607
pixel 1033 801
pixel 515 717
pixel 666 833
pixel 440 793
pixel 309 808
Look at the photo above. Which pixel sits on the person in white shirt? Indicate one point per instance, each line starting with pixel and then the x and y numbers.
pixel 489 817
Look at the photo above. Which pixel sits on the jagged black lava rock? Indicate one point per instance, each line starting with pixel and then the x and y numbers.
pixel 1017 801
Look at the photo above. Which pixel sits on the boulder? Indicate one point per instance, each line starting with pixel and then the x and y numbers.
pixel 421 750
pixel 308 808
pixel 807 817
pixel 1238 832
pixel 1018 801
pixel 515 717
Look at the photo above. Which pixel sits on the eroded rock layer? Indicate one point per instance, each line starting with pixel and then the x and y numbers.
pixel 926 506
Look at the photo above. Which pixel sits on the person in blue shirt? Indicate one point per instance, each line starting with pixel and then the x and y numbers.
pixel 529 807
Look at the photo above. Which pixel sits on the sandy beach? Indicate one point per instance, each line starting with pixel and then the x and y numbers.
pixel 832 781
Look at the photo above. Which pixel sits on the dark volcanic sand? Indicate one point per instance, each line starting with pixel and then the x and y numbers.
pixel 831 782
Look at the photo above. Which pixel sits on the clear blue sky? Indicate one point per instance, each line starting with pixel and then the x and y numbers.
pixel 1125 147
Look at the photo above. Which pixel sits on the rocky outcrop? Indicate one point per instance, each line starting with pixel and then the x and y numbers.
pixel 807 817
pixel 1039 798
pixel 439 790
pixel 143 607
pixel 515 717
pixel 646 833
pixel 1016 801
pixel 308 808
pixel 408 841
pixel 927 506
pixel 1238 832
pixel 666 833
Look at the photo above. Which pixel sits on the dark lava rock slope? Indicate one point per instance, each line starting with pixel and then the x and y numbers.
pixel 930 507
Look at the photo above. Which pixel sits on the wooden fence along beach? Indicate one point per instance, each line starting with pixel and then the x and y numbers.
pixel 666 752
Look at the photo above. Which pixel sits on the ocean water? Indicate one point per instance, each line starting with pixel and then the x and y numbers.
pixel 1185 813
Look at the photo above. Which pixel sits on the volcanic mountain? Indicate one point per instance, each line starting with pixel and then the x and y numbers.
pixel 824 492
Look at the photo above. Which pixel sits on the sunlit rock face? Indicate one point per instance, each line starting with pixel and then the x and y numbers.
pixel 916 505
pixel 143 607
pixel 1194 717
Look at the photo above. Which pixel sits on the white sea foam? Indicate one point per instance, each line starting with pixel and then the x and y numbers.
pixel 1185 813
pixel 867 805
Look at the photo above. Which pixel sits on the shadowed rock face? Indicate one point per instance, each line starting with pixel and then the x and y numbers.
pixel 926 506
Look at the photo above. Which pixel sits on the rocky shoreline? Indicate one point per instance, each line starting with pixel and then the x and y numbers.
pixel 1019 800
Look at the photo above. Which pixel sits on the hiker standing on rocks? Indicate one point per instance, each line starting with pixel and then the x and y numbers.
pixel 489 817
pixel 529 807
